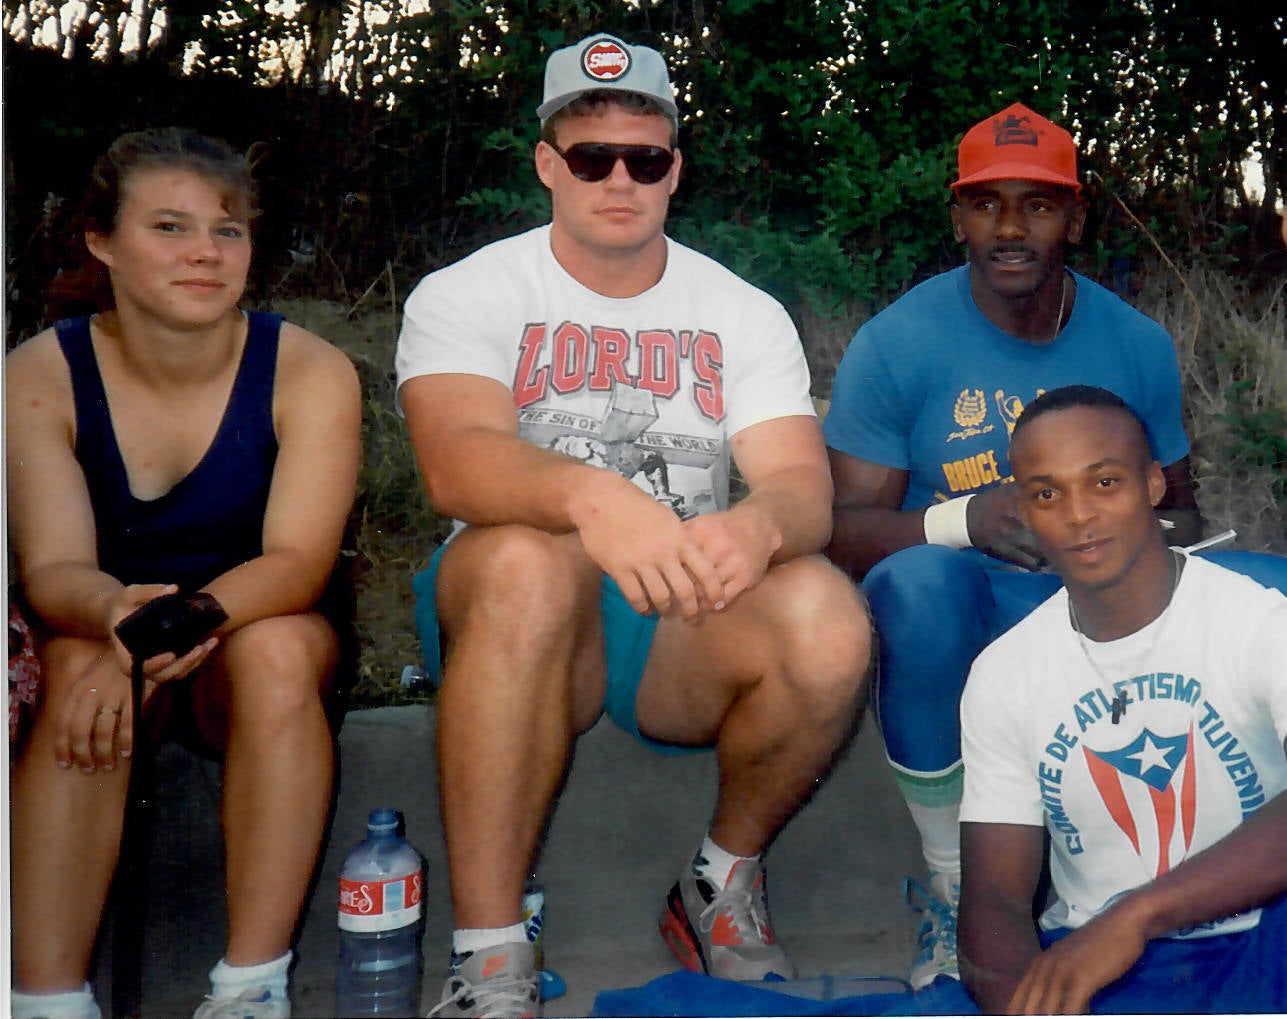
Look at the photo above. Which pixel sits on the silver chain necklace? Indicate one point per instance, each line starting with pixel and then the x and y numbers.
pixel 1119 696
pixel 1063 296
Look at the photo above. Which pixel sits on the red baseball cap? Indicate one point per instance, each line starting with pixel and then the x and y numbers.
pixel 1017 144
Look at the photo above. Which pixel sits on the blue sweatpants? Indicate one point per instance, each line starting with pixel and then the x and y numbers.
pixel 1230 973
pixel 935 609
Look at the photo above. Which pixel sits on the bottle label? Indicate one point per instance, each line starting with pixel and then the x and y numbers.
pixel 371 906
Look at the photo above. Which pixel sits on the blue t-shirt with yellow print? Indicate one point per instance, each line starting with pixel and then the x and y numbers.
pixel 932 387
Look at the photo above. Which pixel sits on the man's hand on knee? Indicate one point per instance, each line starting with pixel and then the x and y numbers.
pixel 644 547
pixel 740 543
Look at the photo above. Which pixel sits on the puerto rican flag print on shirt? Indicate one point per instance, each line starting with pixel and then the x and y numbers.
pixel 1149 788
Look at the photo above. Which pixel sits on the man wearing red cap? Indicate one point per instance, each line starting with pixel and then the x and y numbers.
pixel 922 408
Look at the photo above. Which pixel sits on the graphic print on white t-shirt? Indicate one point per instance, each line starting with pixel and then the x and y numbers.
pixel 1149 789
pixel 684 472
pixel 575 366
pixel 652 386
pixel 1198 750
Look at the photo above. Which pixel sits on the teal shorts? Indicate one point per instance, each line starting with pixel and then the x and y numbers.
pixel 627 638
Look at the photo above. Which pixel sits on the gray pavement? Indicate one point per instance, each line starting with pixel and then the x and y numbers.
pixel 627 821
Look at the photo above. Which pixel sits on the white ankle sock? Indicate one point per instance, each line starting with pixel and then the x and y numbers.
pixel 229 981
pixel 714 863
pixel 59 1005
pixel 475 939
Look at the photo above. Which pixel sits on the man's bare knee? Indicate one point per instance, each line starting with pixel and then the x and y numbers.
pixel 823 632
pixel 502 573
pixel 519 610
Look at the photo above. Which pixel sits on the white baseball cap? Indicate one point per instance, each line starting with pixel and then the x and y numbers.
pixel 605 62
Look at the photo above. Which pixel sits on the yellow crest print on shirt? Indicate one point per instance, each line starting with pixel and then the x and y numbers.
pixel 968 413
pixel 971 408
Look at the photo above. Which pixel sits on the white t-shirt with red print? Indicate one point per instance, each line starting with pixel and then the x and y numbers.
pixel 651 386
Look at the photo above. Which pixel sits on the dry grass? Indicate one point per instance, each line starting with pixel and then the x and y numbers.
pixel 1232 348
pixel 393 531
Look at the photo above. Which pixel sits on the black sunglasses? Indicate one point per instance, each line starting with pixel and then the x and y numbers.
pixel 594 161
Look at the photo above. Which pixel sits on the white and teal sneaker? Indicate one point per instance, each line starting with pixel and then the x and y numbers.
pixel 936 938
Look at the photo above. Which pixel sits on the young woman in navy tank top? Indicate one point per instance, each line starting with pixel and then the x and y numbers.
pixel 174 443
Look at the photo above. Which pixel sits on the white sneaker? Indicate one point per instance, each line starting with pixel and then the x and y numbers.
pixel 58 1005
pixel 936 937
pixel 252 1004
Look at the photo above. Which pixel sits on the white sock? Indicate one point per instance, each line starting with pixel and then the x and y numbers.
pixel 475 939
pixel 940 831
pixel 59 1005
pixel 229 981
pixel 934 801
pixel 714 863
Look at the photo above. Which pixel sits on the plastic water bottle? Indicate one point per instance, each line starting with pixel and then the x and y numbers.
pixel 381 889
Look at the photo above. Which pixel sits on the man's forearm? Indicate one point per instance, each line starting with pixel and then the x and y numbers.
pixel 797 504
pixel 1243 870
pixel 1186 526
pixel 487 478
pixel 996 945
pixel 863 536
pixel 1179 505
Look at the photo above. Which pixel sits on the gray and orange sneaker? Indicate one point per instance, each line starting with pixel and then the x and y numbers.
pixel 497 983
pixel 724 932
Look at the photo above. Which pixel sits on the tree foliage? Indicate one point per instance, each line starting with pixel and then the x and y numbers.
pixel 818 137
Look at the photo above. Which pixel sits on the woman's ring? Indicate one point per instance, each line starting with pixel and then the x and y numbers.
pixel 105 710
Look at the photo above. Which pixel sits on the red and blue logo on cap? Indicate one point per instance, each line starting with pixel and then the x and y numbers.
pixel 605 60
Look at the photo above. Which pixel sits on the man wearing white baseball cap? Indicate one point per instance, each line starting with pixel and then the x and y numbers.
pixel 575 395
pixel 605 63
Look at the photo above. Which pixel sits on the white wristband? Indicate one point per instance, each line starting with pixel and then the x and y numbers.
pixel 945 523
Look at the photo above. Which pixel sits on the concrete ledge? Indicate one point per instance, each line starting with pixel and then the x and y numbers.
pixel 627 821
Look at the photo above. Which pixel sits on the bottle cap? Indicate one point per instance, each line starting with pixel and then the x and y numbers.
pixel 383 820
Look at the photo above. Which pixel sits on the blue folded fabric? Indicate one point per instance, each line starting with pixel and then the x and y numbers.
pixel 692 994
